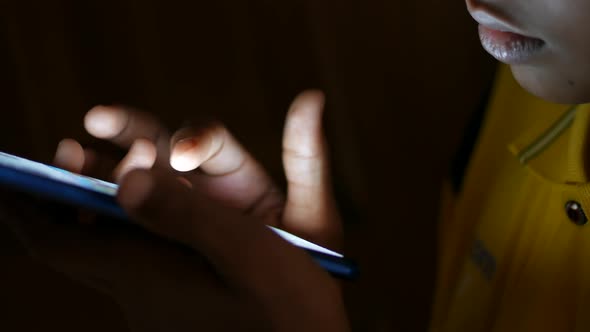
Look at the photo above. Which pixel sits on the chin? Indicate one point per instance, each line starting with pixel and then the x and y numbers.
pixel 552 87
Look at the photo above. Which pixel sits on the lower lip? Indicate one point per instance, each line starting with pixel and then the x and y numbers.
pixel 508 47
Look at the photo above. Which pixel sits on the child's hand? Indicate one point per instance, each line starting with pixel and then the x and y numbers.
pixel 246 276
pixel 210 159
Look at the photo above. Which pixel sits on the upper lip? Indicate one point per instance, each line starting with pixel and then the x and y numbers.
pixel 491 21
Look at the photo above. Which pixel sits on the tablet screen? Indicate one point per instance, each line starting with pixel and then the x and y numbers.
pixel 57 174
pixel 103 187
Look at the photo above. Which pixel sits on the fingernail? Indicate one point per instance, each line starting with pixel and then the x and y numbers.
pixel 185 157
pixel 135 189
pixel 104 122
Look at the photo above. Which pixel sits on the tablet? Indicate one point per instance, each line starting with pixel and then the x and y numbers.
pixel 60 185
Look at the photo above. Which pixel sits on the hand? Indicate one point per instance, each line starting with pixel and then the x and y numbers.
pixel 244 273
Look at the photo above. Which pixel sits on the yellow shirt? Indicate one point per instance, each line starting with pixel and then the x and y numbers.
pixel 511 258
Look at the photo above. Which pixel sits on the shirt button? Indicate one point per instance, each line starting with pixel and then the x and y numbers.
pixel 575 213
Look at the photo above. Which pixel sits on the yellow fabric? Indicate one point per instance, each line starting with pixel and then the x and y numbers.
pixel 510 259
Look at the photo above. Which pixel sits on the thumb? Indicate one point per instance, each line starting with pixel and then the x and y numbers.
pixel 310 210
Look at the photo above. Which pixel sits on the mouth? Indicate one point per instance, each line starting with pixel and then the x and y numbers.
pixel 505 42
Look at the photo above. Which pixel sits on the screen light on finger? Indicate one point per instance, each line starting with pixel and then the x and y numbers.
pixel 185 155
pixel 184 162
pixel 104 122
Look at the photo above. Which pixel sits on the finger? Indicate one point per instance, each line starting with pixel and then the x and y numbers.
pixel 191 147
pixel 123 127
pixel 70 156
pixel 310 209
pixel 142 154
pixel 234 176
pixel 246 254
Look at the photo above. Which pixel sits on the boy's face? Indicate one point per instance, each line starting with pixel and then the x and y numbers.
pixel 546 42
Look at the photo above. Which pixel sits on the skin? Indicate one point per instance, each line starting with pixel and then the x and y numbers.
pixel 562 73
pixel 202 253
pixel 200 189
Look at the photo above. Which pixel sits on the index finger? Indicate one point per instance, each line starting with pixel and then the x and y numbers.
pixel 123 126
pixel 233 175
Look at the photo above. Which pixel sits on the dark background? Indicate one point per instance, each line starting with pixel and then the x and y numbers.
pixel 401 78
